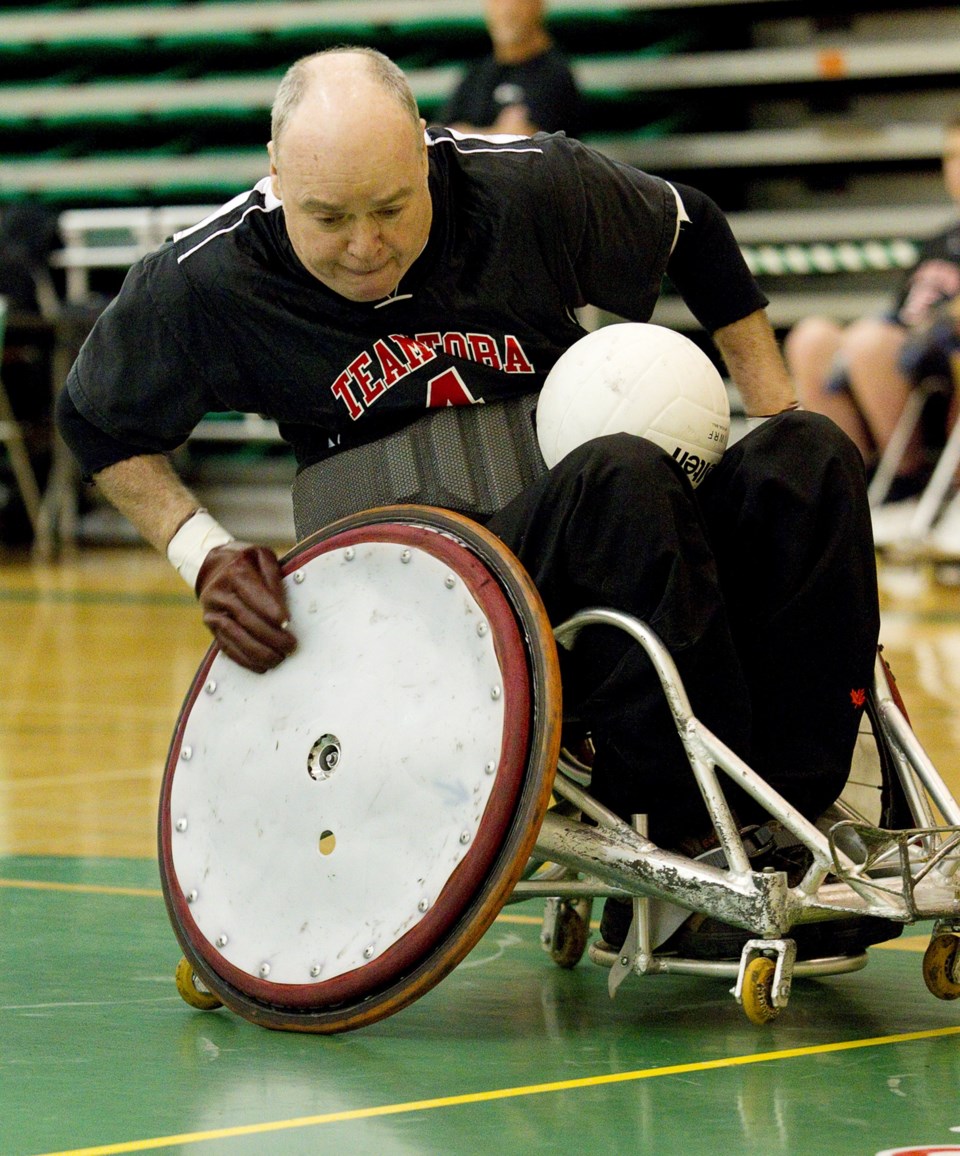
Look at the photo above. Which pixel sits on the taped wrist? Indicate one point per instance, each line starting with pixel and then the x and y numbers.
pixel 754 420
pixel 194 540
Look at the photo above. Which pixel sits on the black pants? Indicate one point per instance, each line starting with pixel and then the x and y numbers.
pixel 761 584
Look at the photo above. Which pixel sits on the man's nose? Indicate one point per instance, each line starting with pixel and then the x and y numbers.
pixel 365 239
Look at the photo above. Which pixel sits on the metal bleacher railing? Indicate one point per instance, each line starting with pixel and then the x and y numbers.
pixel 130 37
pixel 181 71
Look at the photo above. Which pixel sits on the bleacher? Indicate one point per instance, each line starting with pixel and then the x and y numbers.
pixel 777 108
pixel 816 127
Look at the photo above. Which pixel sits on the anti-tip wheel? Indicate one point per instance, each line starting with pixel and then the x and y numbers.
pixel 571 933
pixel 940 970
pixel 192 991
pixel 757 994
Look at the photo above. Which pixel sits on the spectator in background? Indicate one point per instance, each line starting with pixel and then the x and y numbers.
pixel 860 375
pixel 28 235
pixel 524 86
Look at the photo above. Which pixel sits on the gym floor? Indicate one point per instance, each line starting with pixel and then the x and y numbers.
pixel 99 1055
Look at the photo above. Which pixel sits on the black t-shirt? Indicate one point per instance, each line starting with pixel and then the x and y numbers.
pixel 544 84
pixel 225 317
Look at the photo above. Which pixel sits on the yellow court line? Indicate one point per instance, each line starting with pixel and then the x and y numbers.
pixel 80 888
pixel 155 893
pixel 498 1094
pixel 904 943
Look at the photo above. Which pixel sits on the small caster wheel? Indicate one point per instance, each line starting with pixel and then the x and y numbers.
pixel 757 993
pixel 571 933
pixel 941 972
pixel 192 990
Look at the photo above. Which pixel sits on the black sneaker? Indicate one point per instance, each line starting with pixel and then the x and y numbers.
pixel 703 937
pixel 615 923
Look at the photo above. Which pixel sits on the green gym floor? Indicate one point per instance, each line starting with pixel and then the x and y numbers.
pixel 509 1054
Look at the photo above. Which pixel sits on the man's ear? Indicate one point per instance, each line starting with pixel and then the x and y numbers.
pixel 274 174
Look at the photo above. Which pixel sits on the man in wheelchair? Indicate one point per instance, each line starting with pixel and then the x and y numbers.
pixel 387 278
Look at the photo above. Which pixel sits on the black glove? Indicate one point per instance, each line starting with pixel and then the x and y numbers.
pixel 240 588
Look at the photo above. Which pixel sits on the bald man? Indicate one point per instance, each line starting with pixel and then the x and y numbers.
pixel 383 278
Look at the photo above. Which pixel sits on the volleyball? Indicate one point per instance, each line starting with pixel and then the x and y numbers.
pixel 637 378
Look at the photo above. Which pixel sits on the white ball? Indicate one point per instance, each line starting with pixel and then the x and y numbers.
pixel 640 379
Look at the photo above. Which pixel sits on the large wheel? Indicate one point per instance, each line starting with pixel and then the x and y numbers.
pixel 337 834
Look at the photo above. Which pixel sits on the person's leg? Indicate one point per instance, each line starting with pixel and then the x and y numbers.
pixel 871 353
pixel 789 524
pixel 813 353
pixel 616 524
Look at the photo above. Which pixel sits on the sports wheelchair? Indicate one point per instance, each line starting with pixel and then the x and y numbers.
pixel 336 835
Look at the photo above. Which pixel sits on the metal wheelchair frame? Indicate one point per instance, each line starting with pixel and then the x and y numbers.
pixel 855 869
pixel 563 846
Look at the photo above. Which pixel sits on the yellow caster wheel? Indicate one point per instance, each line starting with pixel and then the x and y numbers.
pixel 192 991
pixel 940 966
pixel 757 993
pixel 571 933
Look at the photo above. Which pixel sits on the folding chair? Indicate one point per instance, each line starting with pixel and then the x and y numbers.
pixel 11 434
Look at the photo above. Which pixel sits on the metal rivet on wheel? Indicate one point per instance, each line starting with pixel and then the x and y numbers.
pixel 423 904
pixel 495 692
pixel 186 754
pixel 211 686
pixel 264 970
pixel 464 836
pixel 449 581
pixel 299 577
pixel 482 628
pixel 368 951
pixel 222 941
pixel 315 970
pixel 182 824
pixel 489 768
pixel 405 556
pixel 349 553
pixel 192 896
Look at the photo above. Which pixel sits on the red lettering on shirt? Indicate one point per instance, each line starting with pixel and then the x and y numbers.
pixel 430 340
pixel 391 366
pixel 341 389
pixel 456 345
pixel 360 369
pixel 514 359
pixel 399 355
pixel 448 388
pixel 415 349
pixel 484 349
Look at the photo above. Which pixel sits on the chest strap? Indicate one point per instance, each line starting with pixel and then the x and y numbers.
pixel 472 459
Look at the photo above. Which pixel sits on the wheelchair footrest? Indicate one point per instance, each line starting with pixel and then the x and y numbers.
pixel 897 864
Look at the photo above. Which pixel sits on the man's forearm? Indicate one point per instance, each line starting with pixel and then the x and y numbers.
pixel 749 349
pixel 147 491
